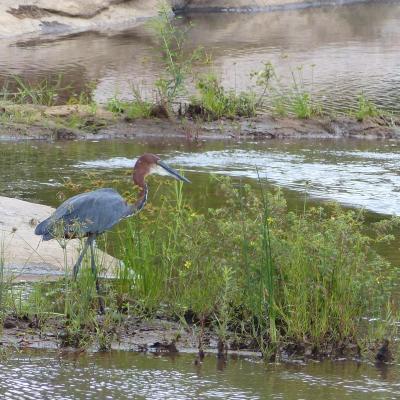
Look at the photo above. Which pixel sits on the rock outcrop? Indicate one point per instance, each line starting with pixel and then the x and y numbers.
pixel 25 256
pixel 19 17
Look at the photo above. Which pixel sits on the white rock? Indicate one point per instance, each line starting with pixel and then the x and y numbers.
pixel 26 256
pixel 22 17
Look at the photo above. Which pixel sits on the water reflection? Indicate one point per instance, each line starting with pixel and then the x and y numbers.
pixel 117 375
pixel 354 49
pixel 356 173
pixel 367 179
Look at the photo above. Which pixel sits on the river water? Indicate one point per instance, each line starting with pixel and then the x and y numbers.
pixel 343 51
pixel 353 48
pixel 356 173
pixel 118 375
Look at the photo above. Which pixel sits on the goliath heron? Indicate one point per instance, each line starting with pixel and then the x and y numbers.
pixel 92 213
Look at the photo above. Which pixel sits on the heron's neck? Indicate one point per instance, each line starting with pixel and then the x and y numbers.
pixel 142 199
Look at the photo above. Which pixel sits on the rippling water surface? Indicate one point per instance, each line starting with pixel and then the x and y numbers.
pixel 356 173
pixel 343 51
pixel 115 375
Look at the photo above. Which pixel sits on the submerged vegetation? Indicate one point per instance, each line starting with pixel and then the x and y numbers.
pixel 276 281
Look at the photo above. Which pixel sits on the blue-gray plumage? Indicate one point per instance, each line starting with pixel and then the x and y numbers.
pixel 86 213
pixel 92 213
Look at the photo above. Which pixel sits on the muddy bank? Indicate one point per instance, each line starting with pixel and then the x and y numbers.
pixel 83 123
pixel 163 335
pixel 134 334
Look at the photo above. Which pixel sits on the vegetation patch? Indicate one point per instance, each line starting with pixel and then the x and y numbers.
pixel 135 109
pixel 305 283
pixel 214 102
pixel 365 109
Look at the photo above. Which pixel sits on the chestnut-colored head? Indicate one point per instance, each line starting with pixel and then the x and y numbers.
pixel 150 163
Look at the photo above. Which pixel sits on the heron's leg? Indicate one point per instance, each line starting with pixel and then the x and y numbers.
pixel 80 258
pixel 94 271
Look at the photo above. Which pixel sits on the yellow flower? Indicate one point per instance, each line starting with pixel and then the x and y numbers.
pixel 188 264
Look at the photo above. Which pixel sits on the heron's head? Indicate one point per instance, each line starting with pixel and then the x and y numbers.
pixel 148 164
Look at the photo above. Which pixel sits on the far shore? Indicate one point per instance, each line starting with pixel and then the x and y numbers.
pixel 53 123
pixel 50 17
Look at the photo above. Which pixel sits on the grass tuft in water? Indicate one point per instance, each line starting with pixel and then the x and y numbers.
pixel 44 92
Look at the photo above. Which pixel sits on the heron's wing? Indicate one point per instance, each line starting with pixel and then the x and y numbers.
pixel 92 212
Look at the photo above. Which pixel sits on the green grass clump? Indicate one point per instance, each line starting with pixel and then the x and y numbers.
pixel 216 102
pixel 255 271
pixel 72 305
pixel 134 109
pixel 302 106
pixel 45 92
pixel 365 108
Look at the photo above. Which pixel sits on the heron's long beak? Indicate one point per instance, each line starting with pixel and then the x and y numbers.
pixel 175 174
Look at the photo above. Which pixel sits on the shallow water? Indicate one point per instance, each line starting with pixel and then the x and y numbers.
pixel 353 49
pixel 356 173
pixel 117 375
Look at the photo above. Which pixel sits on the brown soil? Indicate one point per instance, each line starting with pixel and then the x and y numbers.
pixel 155 335
pixel 51 123
pixel 160 335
